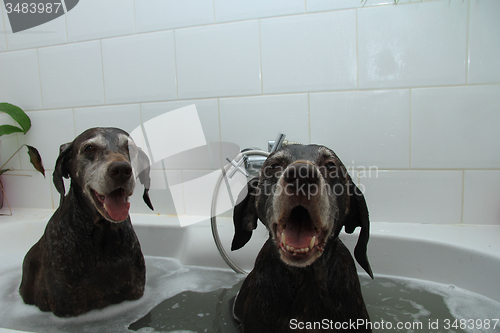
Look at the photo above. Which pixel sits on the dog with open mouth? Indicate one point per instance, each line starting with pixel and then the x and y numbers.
pixel 89 256
pixel 304 274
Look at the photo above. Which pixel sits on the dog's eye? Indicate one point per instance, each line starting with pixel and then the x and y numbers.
pixel 89 148
pixel 330 166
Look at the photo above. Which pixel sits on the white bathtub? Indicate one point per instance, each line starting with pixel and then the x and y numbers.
pixel 464 256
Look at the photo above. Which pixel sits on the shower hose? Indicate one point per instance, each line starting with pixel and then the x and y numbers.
pixel 213 213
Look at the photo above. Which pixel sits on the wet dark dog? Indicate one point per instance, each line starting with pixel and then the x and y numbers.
pixel 304 277
pixel 89 256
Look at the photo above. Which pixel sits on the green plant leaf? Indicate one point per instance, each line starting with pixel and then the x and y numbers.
pixel 17 114
pixel 7 129
pixel 36 159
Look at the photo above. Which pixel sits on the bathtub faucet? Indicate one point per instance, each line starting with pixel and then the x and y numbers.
pixel 253 163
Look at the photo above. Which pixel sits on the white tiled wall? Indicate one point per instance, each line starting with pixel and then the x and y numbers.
pixel 218 60
pixel 408 95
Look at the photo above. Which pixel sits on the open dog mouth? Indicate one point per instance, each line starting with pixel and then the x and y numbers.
pixel 114 206
pixel 299 240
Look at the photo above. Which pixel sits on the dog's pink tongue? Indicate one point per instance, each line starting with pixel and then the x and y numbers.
pixel 299 231
pixel 116 205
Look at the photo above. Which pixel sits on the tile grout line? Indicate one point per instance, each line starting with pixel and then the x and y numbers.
pixel 467 46
pixel 40 77
pixel 269 95
pixel 357 49
pixel 221 161
pixel 65 20
pixel 463 198
pixel 260 60
pixel 175 66
pixel 309 116
pixel 102 70
pixel 409 125
pixel 199 25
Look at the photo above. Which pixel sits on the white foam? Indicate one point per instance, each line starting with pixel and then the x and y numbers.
pixel 462 304
pixel 146 330
pixel 165 277
pixel 422 311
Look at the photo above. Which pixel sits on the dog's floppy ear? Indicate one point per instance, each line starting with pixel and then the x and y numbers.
pixel 62 169
pixel 245 215
pixel 358 217
pixel 144 168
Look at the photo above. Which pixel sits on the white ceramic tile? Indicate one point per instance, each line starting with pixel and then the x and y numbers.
pixel 93 19
pixel 314 52
pixel 196 203
pixel 484 41
pixel 207 157
pixel 364 128
pixel 198 189
pixel 20 83
pixel 49 130
pixel 482 197
pixel 3 36
pixel 219 60
pixel 234 10
pixel 27 189
pixel 126 117
pixel 153 15
pixel 159 193
pixel 455 127
pixel 414 196
pixel 139 68
pixel 253 121
pixel 71 75
pixel 412 45
pixel 9 145
pixel 50 33
pixel 322 5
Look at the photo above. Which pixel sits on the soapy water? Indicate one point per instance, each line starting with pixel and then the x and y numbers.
pixel 166 277
pixel 424 306
pixel 181 298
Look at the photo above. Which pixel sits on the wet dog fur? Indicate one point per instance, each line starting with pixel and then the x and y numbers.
pixel 89 256
pixel 303 273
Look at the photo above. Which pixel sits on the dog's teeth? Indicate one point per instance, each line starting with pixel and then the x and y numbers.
pixel 311 243
pixel 283 238
pixel 296 251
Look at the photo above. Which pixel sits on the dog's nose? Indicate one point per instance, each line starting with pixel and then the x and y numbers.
pixel 120 170
pixel 303 173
